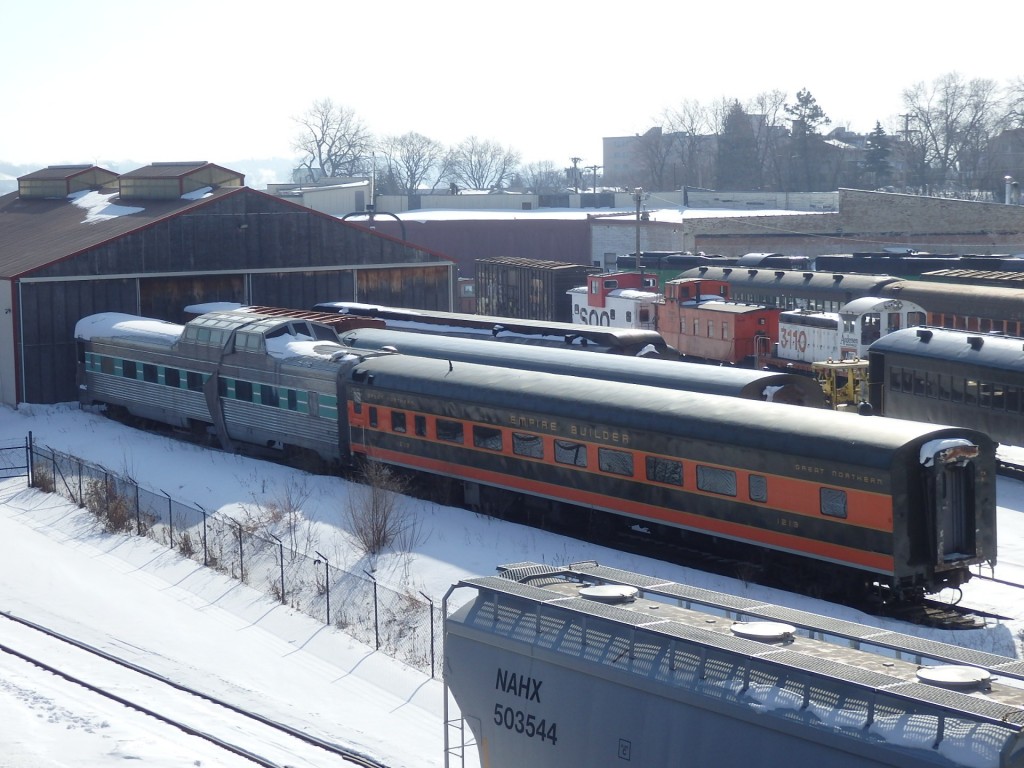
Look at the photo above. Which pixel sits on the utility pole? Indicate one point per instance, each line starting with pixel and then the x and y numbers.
pixel 594 168
pixel 638 194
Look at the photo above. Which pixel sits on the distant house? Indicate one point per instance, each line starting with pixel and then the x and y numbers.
pixel 75 240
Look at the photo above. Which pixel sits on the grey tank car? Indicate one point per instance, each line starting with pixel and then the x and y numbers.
pixel 592 667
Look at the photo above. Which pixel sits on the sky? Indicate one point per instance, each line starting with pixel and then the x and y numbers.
pixel 136 599
pixel 122 83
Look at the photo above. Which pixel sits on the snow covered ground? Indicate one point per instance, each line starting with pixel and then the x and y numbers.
pixel 135 598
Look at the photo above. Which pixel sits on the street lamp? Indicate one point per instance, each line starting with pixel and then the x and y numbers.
pixel 1009 189
pixel 327 581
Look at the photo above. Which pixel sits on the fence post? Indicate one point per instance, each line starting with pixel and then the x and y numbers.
pixel 327 581
pixel 29 449
pixel 431 603
pixel 81 490
pixel 376 618
pixel 241 554
pixel 170 516
pixel 138 511
pixel 204 536
pixel 280 552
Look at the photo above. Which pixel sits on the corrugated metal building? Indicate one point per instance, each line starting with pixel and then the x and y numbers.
pixel 75 240
pixel 531 289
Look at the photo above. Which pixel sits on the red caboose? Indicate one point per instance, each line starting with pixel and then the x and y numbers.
pixel 699 320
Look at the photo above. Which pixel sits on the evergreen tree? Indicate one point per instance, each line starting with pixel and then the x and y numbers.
pixel 738 165
pixel 876 160
pixel 807 116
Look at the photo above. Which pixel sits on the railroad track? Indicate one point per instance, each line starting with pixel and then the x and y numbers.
pixel 221 722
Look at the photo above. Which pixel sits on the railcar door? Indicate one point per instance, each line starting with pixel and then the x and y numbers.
pixel 953 503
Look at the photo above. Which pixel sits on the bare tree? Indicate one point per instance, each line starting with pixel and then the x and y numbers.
pixel 690 122
pixel 1014 103
pixel 334 141
pixel 410 159
pixel 476 164
pixel 543 177
pixel 952 120
pixel 770 134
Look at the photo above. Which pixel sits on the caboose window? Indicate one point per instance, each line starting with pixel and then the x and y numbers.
pixel 757 487
pixel 398 421
pixel 450 431
pixel 567 452
pixel 616 462
pixel 527 445
pixel 487 437
pixel 714 480
pixel 833 502
pixel 664 471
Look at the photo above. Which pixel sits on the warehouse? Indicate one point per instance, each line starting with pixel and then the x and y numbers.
pixel 75 240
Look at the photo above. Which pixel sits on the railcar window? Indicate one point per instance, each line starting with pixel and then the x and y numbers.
pixel 194 380
pixel 373 416
pixel 243 390
pixel 293 400
pixel 268 395
pixel 129 369
pixel 971 392
pixel 929 385
pixel 149 373
pixel 450 431
pixel 420 425
pixel 907 382
pixel 664 470
pixel 107 365
pixel 527 445
pixel 716 480
pixel 895 377
pixel 918 383
pixel 987 395
pixel 1012 399
pixel 942 382
pixel 956 386
pixel 615 462
pixel 833 502
pixel 757 487
pixel 567 452
pixel 487 437
pixel 172 377
pixel 398 421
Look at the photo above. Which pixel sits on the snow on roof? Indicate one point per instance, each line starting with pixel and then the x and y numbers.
pixel 98 206
pixel 662 215
pixel 120 324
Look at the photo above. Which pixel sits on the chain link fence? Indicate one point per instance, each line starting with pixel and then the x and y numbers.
pixel 403 625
